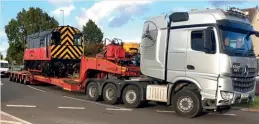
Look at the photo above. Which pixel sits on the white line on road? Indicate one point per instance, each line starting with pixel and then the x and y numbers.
pixel 15 118
pixel 22 106
pixel 165 111
pixel 118 109
pixel 71 107
pixel 10 122
pixel 36 88
pixel 93 102
pixel 223 114
pixel 1 84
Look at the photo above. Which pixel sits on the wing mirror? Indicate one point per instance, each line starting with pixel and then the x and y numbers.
pixel 207 38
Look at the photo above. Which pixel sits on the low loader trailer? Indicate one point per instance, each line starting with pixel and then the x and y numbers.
pixel 193 61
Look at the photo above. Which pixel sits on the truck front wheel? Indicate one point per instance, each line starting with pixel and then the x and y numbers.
pixel 110 94
pixel 187 103
pixel 131 96
pixel 92 91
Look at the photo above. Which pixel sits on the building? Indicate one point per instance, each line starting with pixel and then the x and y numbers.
pixel 253 14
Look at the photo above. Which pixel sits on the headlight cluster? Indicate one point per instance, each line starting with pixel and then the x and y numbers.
pixel 227 95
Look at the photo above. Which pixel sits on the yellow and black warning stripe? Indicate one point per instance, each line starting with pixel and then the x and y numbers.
pixel 67 49
pixel 66 52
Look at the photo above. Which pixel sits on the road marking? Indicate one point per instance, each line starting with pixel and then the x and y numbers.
pixel 36 88
pixel 1 84
pixel 165 111
pixel 223 114
pixel 22 106
pixel 15 118
pixel 93 102
pixel 10 122
pixel 71 107
pixel 118 109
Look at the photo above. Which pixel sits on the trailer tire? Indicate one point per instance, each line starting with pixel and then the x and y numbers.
pixel 110 92
pixel 133 92
pixel 14 79
pixel 190 97
pixel 10 78
pixel 92 91
pixel 26 82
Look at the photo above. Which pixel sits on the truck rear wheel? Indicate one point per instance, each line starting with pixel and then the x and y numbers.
pixel 131 96
pixel 110 92
pixel 187 103
pixel 92 91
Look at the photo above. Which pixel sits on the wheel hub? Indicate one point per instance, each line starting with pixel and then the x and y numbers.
pixel 92 91
pixel 185 104
pixel 131 96
pixel 110 94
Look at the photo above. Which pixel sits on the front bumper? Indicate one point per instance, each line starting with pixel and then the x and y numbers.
pixel 225 84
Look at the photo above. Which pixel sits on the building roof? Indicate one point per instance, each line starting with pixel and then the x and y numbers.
pixel 251 13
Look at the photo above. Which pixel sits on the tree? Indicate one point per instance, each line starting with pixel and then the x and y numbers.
pixel 93 37
pixel 92 34
pixel 26 22
pixel 1 56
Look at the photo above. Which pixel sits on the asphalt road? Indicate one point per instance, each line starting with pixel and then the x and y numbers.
pixel 52 105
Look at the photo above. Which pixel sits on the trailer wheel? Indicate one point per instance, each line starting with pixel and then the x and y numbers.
pixel 14 79
pixel 26 81
pixel 131 96
pixel 110 94
pixel 22 81
pixel 92 91
pixel 17 79
pixel 10 78
pixel 187 103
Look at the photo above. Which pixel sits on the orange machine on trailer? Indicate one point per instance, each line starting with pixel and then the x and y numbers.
pixel 111 63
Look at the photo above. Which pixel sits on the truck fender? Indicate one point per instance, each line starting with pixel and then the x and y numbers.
pixel 175 81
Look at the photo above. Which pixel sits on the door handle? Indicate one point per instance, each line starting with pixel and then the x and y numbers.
pixel 190 67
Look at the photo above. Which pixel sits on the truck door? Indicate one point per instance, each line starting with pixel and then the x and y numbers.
pixel 202 67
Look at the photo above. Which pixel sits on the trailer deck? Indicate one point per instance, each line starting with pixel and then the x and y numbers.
pixel 25 77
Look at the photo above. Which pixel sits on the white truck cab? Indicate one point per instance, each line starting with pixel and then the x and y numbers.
pixel 203 59
pixel 4 67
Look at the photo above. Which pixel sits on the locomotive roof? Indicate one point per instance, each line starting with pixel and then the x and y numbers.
pixel 43 33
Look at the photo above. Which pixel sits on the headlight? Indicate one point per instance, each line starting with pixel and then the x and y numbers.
pixel 227 95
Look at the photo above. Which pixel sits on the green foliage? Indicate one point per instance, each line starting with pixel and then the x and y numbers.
pixel 92 34
pixel 1 56
pixel 26 22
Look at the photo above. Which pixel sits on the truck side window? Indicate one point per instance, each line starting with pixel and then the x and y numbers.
pixel 197 40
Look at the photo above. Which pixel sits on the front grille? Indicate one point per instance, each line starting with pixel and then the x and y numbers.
pixel 251 73
pixel 244 82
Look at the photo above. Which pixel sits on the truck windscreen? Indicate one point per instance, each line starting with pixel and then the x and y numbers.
pixel 236 39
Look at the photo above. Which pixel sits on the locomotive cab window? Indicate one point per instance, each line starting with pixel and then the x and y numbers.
pixel 77 39
pixel 56 38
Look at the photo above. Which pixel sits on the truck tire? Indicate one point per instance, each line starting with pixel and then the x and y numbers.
pixel 187 103
pixel 92 91
pixel 110 92
pixel 131 96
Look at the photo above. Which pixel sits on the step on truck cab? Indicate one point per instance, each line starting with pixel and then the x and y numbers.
pixel 205 58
